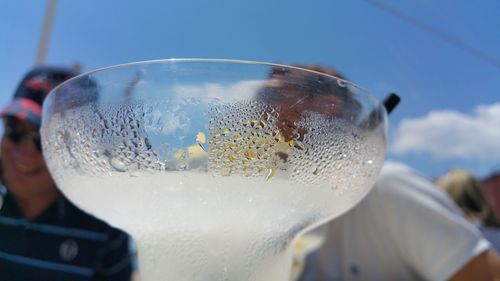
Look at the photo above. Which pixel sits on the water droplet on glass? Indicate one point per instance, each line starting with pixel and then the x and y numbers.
pixel 117 164
pixel 314 170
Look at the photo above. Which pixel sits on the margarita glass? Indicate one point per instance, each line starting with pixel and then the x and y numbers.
pixel 213 166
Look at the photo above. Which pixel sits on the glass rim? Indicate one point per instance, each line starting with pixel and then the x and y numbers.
pixel 216 60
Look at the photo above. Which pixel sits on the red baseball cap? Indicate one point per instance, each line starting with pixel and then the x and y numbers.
pixel 31 92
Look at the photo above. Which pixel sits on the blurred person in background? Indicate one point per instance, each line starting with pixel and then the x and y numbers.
pixel 404 229
pixel 468 193
pixel 43 236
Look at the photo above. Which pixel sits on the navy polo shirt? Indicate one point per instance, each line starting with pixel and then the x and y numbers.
pixel 64 243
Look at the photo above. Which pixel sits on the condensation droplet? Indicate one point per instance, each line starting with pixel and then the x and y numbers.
pixel 314 170
pixel 117 164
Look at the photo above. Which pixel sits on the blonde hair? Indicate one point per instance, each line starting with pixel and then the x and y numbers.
pixel 466 190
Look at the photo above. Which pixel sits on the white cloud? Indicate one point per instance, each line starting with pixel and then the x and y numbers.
pixel 167 118
pixel 209 91
pixel 450 134
pixel 167 122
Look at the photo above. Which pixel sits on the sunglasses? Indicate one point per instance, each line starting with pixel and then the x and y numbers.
pixel 16 133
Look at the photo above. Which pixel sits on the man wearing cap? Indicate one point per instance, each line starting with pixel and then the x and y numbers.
pixel 43 236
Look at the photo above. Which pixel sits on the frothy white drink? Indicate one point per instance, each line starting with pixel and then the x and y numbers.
pixel 192 226
pixel 223 201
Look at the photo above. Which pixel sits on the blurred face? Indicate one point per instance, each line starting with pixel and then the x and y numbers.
pixel 24 171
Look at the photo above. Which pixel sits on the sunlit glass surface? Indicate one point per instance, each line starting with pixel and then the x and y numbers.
pixel 213 166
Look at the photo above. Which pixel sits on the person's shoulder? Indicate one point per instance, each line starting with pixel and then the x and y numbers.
pixel 395 177
pixel 393 170
pixel 402 183
pixel 399 180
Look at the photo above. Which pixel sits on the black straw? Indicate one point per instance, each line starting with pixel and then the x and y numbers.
pixel 391 101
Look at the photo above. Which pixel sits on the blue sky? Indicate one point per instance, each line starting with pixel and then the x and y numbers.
pixel 450 113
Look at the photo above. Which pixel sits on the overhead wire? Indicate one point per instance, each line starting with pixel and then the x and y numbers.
pixel 453 40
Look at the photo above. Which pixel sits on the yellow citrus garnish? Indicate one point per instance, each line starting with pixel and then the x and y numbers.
pixel 200 138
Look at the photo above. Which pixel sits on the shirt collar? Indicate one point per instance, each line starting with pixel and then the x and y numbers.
pixel 56 211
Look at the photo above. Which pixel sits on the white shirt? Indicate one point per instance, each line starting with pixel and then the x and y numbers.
pixel 405 229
